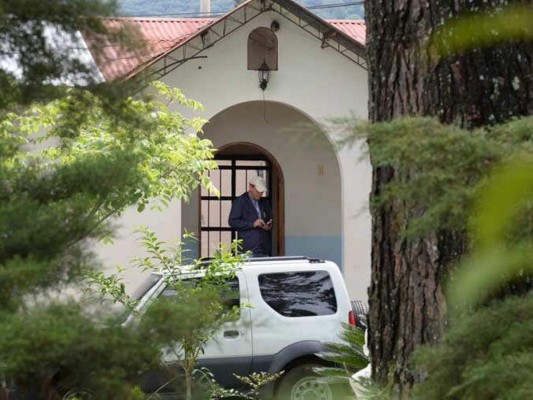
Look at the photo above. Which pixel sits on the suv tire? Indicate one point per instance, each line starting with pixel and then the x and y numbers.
pixel 301 383
pixel 78 394
pixel 360 309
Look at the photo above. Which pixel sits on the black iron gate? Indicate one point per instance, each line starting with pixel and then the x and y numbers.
pixel 231 179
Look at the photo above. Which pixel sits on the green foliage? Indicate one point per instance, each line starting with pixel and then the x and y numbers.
pixel 439 169
pixel 488 352
pixel 110 286
pixel 92 166
pixel 502 230
pixel 67 169
pixel 212 390
pixel 41 50
pixel 485 355
pixel 499 210
pixel 151 151
pixel 447 178
pixel 370 390
pixel 58 346
pixel 483 29
pixel 348 357
pixel 256 380
pixel 501 226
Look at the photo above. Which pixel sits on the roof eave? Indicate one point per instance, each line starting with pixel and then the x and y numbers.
pixel 239 16
pixel 339 35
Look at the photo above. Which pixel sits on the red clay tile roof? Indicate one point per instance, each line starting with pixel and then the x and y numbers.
pixel 156 35
pixel 355 28
pixel 160 35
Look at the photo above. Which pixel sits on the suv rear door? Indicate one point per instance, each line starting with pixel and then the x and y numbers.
pixel 292 305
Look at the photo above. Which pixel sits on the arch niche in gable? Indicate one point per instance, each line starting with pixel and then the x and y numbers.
pixel 262 49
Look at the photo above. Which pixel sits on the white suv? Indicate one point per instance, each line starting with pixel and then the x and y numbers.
pixel 296 305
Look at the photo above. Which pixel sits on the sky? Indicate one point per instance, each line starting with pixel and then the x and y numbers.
pixel 329 9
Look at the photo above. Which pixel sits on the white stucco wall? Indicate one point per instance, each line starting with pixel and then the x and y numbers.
pixel 126 243
pixel 320 84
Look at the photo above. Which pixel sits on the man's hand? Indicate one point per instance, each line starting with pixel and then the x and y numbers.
pixel 259 223
pixel 268 226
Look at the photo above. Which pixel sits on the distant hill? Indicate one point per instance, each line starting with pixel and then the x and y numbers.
pixel 191 8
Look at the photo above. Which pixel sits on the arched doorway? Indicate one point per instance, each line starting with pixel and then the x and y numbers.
pixel 237 163
pixel 307 196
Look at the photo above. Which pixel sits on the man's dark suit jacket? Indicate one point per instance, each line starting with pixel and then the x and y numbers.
pixel 242 217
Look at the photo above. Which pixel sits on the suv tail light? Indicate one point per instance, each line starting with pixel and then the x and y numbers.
pixel 351 318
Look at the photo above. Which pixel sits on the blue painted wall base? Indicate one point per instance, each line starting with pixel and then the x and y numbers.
pixel 325 247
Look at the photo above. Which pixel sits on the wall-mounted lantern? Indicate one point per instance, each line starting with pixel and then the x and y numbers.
pixel 264 75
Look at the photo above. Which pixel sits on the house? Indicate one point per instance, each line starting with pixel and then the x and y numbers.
pixel 270 74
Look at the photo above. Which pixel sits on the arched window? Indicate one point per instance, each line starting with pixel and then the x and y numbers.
pixel 262 48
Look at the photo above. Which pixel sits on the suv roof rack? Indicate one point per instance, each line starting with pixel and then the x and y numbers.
pixel 312 260
pixel 285 258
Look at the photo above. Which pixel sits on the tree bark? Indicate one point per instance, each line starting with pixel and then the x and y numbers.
pixel 485 86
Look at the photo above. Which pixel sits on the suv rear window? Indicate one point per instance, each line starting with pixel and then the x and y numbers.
pixel 299 294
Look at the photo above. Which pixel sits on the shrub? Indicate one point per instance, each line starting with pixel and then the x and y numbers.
pixel 485 355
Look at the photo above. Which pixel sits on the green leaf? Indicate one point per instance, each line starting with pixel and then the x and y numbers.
pixel 501 201
pixel 483 29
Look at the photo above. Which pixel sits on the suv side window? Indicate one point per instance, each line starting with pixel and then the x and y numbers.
pixel 299 294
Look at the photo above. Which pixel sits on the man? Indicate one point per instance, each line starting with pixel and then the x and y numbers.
pixel 251 216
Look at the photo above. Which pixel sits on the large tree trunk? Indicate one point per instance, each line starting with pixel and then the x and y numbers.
pixel 407 306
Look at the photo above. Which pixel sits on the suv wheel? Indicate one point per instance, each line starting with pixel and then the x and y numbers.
pixel 78 394
pixel 360 309
pixel 301 383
